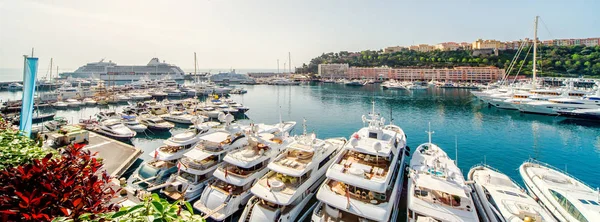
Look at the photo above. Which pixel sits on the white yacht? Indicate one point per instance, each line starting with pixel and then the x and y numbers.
pixel 177 145
pixel 131 123
pixel 365 181
pixel 179 117
pixel 60 105
pixel 552 106
pixel 230 190
pixel 567 198
pixel 436 187
pixel 73 103
pixel 89 101
pixel 115 129
pixel 156 123
pixel 107 115
pixel 199 163
pixel 15 86
pixel 293 179
pixel 503 199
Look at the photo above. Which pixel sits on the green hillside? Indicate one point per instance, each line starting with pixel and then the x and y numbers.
pixel 572 61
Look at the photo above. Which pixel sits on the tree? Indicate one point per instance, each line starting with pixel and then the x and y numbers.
pixel 66 186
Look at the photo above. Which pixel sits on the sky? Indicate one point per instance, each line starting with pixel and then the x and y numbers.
pixel 255 33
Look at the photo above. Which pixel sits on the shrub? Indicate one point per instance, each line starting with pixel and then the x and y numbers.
pixel 68 186
pixel 16 149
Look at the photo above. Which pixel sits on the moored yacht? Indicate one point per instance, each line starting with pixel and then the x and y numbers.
pixel 199 163
pixel 436 187
pixel 180 117
pixel 156 123
pixel 131 123
pixel 115 129
pixel 293 178
pixel 230 190
pixel 365 182
pixel 567 198
pixel 503 199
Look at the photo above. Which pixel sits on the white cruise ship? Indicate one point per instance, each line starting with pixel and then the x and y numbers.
pixel 365 181
pixel 110 71
pixel 229 77
pixel 436 188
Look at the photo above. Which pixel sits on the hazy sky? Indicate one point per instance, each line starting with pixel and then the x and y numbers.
pixel 255 33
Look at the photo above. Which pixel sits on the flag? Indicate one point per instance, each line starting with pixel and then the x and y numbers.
pixel 29 73
pixel 178 167
pixel 155 154
pixel 226 174
pixel 268 185
pixel 356 136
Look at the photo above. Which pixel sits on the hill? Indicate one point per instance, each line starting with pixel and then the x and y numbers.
pixel 569 61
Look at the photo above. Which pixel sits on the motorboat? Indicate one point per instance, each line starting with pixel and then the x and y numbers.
pixel 115 129
pixel 56 123
pixel 15 86
pixel 553 106
pixel 502 199
pixel 158 94
pixel 131 123
pixel 590 114
pixel 365 181
pixel 209 111
pixel 89 101
pixel 230 190
pixel 566 197
pixel 139 96
pixel 73 103
pixel 123 98
pixel 156 123
pixel 174 92
pixel 180 117
pixel 153 173
pixel 416 86
pixel 107 115
pixel 60 105
pixel 355 82
pixel 293 179
pixel 436 187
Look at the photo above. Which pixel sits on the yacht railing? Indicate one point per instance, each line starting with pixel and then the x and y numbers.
pixel 534 161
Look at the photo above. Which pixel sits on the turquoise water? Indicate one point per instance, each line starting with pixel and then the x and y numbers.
pixel 503 139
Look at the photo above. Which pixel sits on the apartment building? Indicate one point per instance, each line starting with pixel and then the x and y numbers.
pixel 334 70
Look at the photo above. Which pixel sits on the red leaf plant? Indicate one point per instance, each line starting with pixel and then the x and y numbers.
pixel 67 186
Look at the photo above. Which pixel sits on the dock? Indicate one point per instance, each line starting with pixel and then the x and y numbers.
pixel 117 156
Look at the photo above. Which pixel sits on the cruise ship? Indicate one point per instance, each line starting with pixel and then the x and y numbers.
pixel 110 71
pixel 229 77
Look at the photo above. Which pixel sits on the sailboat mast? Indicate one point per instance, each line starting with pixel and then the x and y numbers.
pixel 290 62
pixel 535 28
pixel 195 64
pixel 49 77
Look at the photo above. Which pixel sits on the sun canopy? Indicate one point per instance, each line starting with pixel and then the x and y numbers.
pixel 427 181
pixel 197 154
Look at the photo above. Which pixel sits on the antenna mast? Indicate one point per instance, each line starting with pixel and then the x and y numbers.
pixel 429 132
pixel 456 149
pixel 290 62
pixel 304 126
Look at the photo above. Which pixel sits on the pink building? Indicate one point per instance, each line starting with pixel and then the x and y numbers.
pixel 367 73
pixel 478 74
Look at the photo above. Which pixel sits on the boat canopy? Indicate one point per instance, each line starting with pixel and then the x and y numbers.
pixel 427 181
pixel 197 154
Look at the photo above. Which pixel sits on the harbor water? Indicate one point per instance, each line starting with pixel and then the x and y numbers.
pixel 500 138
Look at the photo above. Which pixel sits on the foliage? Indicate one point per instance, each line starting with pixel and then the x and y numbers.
pixel 68 185
pixel 16 149
pixel 552 61
pixel 151 209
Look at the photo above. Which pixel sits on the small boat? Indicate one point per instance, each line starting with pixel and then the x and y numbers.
pixel 179 117
pixel 131 123
pixel 60 105
pixel 123 98
pixel 156 123
pixel 566 197
pixel 56 123
pixel 174 92
pixel 107 115
pixel 89 101
pixel 15 86
pixel 355 82
pixel 501 197
pixel 115 129
pixel 158 94
pixel 73 103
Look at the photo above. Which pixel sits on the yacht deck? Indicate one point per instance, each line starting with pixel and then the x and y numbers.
pixel 356 193
pixel 365 165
